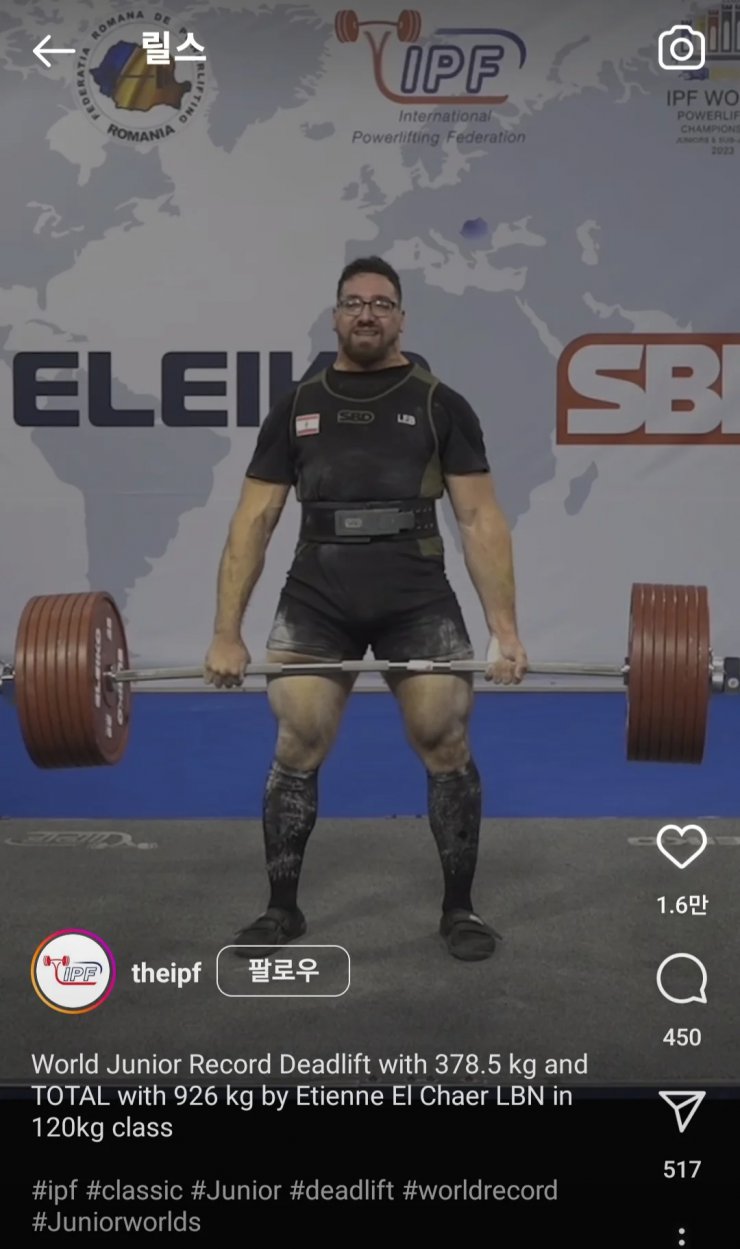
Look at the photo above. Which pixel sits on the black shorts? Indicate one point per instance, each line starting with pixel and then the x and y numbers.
pixel 392 598
pixel 434 631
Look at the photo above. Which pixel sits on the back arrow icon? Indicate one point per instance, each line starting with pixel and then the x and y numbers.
pixel 40 47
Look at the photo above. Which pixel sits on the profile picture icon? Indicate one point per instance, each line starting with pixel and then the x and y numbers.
pixel 73 971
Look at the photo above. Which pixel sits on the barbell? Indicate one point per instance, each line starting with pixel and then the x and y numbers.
pixel 407 26
pixel 73 681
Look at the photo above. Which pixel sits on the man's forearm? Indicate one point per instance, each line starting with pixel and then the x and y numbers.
pixel 239 571
pixel 489 560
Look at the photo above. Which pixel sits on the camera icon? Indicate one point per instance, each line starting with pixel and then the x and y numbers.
pixel 682 48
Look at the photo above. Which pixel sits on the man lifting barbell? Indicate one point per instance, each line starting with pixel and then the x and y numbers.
pixel 369 445
pixel 71 673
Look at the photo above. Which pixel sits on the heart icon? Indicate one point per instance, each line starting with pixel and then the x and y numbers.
pixel 681 832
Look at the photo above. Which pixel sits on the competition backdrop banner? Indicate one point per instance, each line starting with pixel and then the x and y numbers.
pixel 557 187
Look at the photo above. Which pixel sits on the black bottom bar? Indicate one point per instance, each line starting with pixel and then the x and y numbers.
pixel 612 1168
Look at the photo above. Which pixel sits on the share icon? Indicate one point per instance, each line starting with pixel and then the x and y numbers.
pixel 684 1106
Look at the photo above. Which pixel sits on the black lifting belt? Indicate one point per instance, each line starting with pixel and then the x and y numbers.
pixel 394 519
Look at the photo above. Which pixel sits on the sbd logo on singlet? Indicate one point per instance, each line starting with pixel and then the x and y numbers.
pixel 641 389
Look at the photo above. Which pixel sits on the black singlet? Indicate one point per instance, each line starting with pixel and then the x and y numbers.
pixel 393 433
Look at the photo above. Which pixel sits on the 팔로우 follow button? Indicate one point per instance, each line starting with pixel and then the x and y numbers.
pixel 293 971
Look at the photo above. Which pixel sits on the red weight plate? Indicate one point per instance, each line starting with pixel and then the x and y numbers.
pixel 687 693
pixel 103 707
pixel 696 613
pixel 44 693
pixel 650 673
pixel 668 682
pixel 679 678
pixel 353 26
pixel 635 679
pixel 64 632
pixel 73 662
pixel 644 676
pixel 70 715
pixel 52 690
pixel 645 684
pixel 646 673
pixel 408 27
pixel 668 744
pixel 704 687
pixel 72 653
pixel 686 676
pixel 347 26
pixel 27 684
pixel 61 685
pixel 661 734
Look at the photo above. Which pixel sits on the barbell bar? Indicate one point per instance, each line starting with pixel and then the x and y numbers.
pixel 73 680
pixel 132 676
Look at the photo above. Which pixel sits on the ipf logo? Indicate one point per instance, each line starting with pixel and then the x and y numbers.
pixel 446 72
pixel 73 971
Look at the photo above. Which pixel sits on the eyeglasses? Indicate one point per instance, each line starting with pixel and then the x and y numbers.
pixel 381 306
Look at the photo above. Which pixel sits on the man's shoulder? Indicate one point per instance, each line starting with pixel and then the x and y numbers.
pixel 308 389
pixel 440 388
pixel 421 372
pixel 452 400
pixel 283 407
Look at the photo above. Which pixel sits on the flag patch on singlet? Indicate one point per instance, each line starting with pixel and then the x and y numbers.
pixel 307 424
pixel 404 418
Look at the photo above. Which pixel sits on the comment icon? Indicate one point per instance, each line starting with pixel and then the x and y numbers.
pixel 681 965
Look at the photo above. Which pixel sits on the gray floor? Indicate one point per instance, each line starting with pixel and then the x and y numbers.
pixel 575 901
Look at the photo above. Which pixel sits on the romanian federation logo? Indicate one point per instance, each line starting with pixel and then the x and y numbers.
pixel 73 971
pixel 141 79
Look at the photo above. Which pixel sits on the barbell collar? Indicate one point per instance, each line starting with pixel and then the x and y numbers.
pixel 717 674
pixel 361 665
pixel 731 674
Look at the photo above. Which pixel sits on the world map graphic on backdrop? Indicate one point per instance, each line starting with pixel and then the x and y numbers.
pixel 541 240
pixel 131 505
